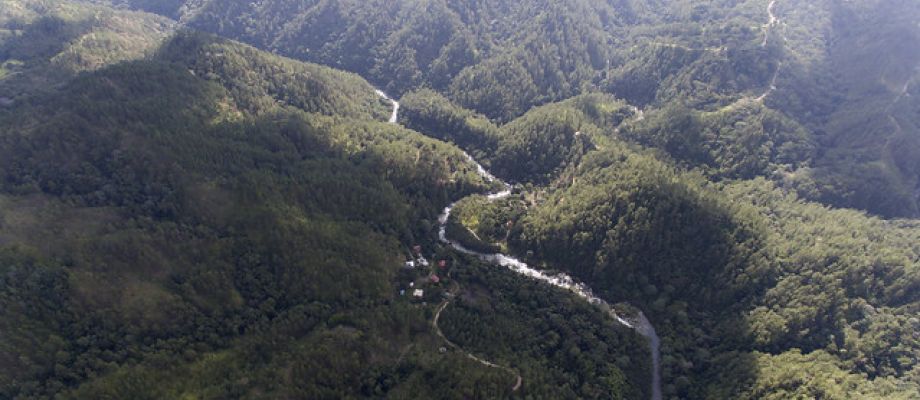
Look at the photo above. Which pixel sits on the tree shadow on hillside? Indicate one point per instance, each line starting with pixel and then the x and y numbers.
pixel 853 92
pixel 684 258
pixel 27 55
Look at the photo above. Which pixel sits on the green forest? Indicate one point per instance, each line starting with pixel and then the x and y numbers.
pixel 203 199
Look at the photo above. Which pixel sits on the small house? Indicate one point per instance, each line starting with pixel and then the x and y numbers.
pixel 434 279
pixel 418 293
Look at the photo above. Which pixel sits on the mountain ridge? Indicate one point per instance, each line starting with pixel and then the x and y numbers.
pixel 207 219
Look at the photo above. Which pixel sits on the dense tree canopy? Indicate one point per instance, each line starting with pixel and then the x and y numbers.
pixel 213 213
pixel 185 216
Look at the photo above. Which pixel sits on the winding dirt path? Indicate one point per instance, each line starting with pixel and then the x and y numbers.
pixel 638 116
pixel 905 92
pixel 772 87
pixel 768 28
pixel 687 48
pixel 638 323
pixel 519 380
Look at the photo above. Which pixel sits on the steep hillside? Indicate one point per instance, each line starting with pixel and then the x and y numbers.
pixel 497 57
pixel 688 213
pixel 534 148
pixel 286 209
pixel 192 223
pixel 43 43
pixel 848 74
pixel 744 283
pixel 824 65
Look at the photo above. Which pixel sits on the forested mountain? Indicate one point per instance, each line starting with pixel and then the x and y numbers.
pixel 203 199
pixel 835 68
pixel 741 278
pixel 852 68
pixel 43 43
pixel 215 208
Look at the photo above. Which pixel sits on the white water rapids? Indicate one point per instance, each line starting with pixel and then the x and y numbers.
pixel 395 115
pixel 772 21
pixel 768 28
pixel 639 323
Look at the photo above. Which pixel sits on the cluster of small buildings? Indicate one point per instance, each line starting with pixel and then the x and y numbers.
pixel 419 262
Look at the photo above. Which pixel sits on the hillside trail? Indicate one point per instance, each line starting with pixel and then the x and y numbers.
pixel 709 49
pixel 638 116
pixel 638 323
pixel 518 379
pixel 904 92
pixel 773 21
pixel 889 110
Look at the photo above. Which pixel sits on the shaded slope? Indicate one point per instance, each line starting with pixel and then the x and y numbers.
pixel 179 226
pixel 852 68
pixel 286 209
pixel 42 43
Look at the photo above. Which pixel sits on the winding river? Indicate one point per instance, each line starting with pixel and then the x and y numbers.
pixel 395 114
pixel 639 323
pixel 773 21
